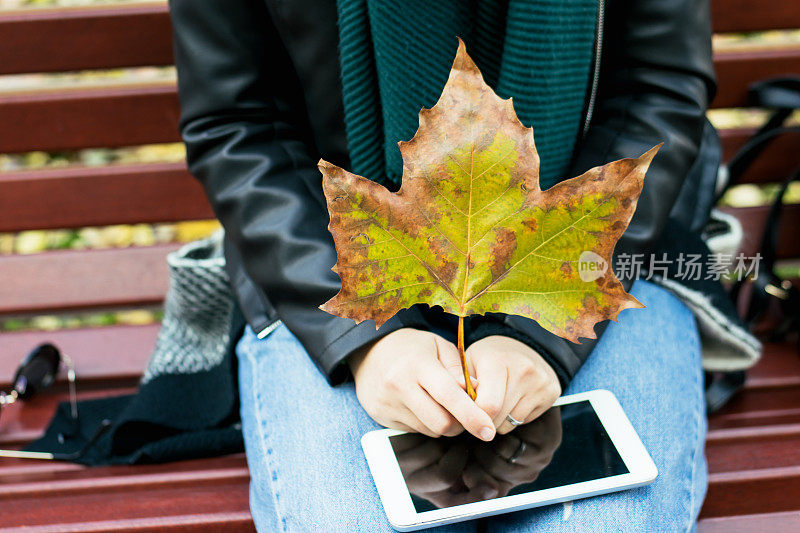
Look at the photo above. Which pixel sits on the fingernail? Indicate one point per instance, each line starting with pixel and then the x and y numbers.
pixel 490 492
pixel 487 433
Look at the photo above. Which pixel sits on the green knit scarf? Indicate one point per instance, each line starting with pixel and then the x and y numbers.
pixel 396 56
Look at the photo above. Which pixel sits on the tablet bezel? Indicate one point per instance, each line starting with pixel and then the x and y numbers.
pixel 400 509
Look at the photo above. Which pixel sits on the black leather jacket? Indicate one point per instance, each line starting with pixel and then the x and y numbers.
pixel 261 103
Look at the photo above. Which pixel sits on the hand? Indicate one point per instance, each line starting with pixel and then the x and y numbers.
pixel 512 379
pixel 449 472
pixel 411 380
pixel 511 460
pixel 432 468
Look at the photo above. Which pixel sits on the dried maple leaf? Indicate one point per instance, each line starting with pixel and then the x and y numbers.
pixel 471 231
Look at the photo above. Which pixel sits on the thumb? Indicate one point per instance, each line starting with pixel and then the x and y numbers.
pixel 451 360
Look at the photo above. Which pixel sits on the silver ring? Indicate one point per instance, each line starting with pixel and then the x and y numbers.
pixel 514 422
pixel 520 450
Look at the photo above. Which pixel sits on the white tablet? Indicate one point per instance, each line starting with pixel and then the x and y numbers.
pixel 583 446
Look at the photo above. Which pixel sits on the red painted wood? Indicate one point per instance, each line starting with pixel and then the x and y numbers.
pixel 102 505
pixel 25 421
pixel 80 279
pixel 774 164
pixel 25 473
pixel 752 491
pixel 780 360
pixel 755 418
pixel 752 448
pixel 753 220
pixel 130 482
pixel 225 522
pixel 120 116
pixel 737 70
pixel 88 118
pixel 140 34
pixel 100 196
pixel 756 523
pixel 764 399
pixel 56 40
pixel 116 354
pixel 779 370
pixel 735 16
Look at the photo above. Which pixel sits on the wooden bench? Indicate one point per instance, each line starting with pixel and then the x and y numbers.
pixel 752 445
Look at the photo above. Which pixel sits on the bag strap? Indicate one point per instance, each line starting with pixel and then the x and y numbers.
pixel 783 96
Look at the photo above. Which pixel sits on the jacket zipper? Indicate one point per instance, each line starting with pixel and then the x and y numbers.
pixel 269 329
pixel 598 50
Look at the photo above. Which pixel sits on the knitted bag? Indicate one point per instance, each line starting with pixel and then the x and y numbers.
pixel 187 403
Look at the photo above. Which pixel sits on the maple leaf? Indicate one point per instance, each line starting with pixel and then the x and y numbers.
pixel 470 229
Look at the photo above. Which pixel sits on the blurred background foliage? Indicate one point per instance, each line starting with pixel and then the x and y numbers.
pixel 31 242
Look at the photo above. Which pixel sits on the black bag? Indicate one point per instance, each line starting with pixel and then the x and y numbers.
pixel 782 95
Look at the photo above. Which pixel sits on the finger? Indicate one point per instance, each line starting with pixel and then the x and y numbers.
pixel 442 388
pixel 508 404
pixel 440 474
pixel 408 421
pixel 527 409
pixel 451 361
pixel 518 412
pixel 409 442
pixel 400 426
pixel 430 413
pixel 501 447
pixel 493 389
pixel 421 456
pixel 480 483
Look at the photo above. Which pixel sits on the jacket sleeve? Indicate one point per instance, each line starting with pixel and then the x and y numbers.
pixel 248 142
pixel 656 81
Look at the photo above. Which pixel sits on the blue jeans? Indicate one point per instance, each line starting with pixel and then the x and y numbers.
pixel 302 436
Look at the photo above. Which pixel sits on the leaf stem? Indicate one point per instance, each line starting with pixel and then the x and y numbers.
pixel 467 379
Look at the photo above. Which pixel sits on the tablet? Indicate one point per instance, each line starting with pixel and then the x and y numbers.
pixel 583 446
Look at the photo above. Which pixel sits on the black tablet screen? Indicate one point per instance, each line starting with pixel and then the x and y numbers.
pixel 566 445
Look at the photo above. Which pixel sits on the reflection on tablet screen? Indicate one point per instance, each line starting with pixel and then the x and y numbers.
pixel 566 445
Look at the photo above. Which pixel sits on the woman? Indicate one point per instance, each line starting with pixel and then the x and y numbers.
pixel 269 87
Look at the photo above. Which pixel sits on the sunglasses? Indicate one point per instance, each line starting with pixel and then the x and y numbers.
pixel 36 373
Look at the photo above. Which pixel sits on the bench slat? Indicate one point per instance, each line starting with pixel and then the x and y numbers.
pixel 88 118
pixel 736 70
pixel 24 422
pixel 770 399
pixel 68 485
pixel 156 505
pixel 223 522
pixel 753 220
pixel 731 450
pixel 98 196
pixel 58 40
pixel 114 354
pixel 774 163
pixel 752 491
pixel 736 16
pixel 755 523
pixel 164 192
pixel 74 279
pixel 148 113
pixel 24 473
pixel 140 34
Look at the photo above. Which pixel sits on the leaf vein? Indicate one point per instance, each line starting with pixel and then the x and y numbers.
pixel 430 269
